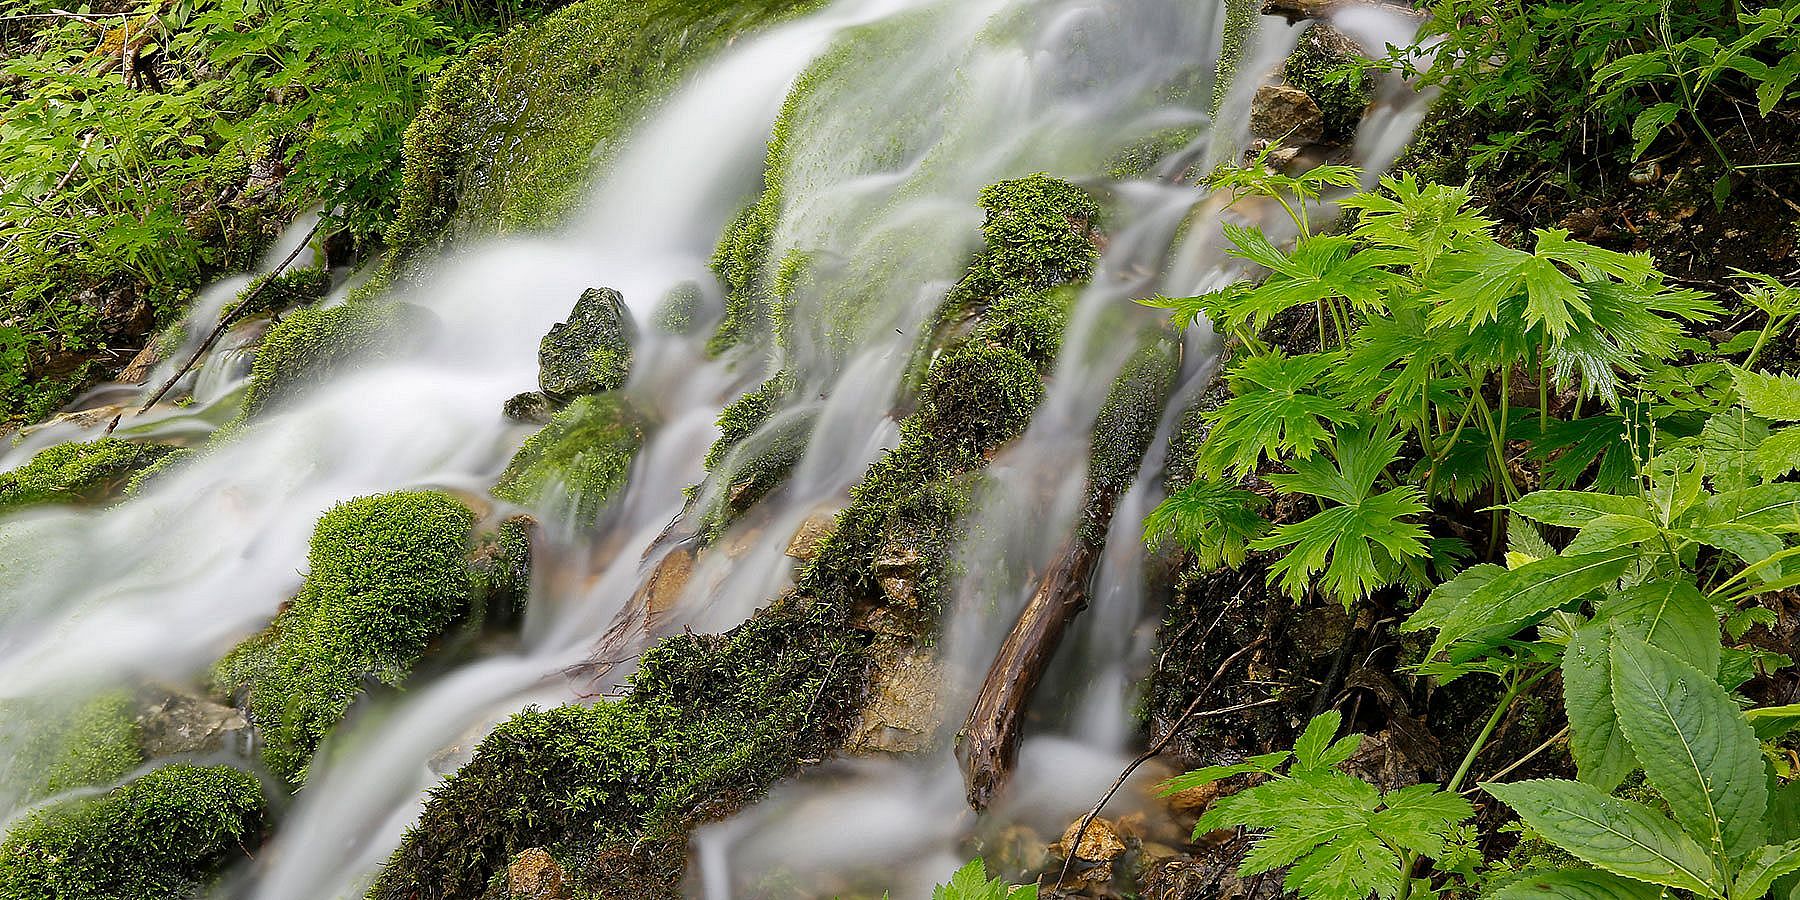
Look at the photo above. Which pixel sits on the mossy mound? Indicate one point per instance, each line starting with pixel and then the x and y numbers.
pixel 388 574
pixel 53 747
pixel 509 133
pixel 157 469
pixel 273 293
pixel 160 837
pixel 311 343
pixel 1323 65
pixel 1033 324
pixel 710 722
pixel 1039 232
pixel 78 473
pixel 591 352
pixel 578 461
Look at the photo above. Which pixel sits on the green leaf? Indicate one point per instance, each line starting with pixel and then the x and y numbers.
pixel 1578 884
pixel 1670 614
pixel 1612 531
pixel 1762 868
pixel 1768 506
pixel 1348 869
pixel 1315 749
pixel 1264 764
pixel 1772 722
pixel 1500 606
pixel 1603 757
pixel 1420 817
pixel 1619 836
pixel 1779 455
pixel 971 883
pixel 1774 397
pixel 1694 745
pixel 1575 509
pixel 1277 411
pixel 1649 124
pixel 1215 519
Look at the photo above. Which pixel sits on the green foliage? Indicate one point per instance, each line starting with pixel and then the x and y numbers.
pixel 971 883
pixel 578 462
pixel 77 473
pixel 274 293
pixel 1338 836
pixel 159 837
pixel 53 747
pixel 387 575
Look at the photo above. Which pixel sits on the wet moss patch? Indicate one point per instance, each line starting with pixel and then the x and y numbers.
pixel 160 837
pixel 52 747
pixel 310 343
pixel 387 575
pixel 577 462
pixel 77 473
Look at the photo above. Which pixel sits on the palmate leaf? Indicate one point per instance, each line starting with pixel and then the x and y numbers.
pixel 1356 542
pixel 1619 836
pixel 1495 605
pixel 1427 221
pixel 1569 449
pixel 1420 818
pixel 1626 325
pixel 1214 519
pixel 1320 267
pixel 1470 287
pixel 1696 747
pixel 971 883
pixel 1578 884
pixel 1278 410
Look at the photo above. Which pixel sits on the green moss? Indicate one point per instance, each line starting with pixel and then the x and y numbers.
pixel 165 835
pixel 502 570
pixel 311 343
pixel 509 133
pixel 1032 324
pixel 1127 424
pixel 578 461
pixel 77 473
pixel 54 747
pixel 711 721
pixel 591 352
pixel 1240 25
pixel 273 293
pixel 1039 232
pixel 157 469
pixel 680 309
pixel 387 575
pixel 1323 65
pixel 748 413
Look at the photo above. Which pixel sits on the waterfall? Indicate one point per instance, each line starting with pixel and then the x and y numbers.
pixel 918 105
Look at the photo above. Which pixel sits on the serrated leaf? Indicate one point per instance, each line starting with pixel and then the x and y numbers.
pixel 1508 601
pixel 1574 509
pixel 1649 124
pixel 1619 836
pixel 1772 722
pixel 1603 757
pixel 1767 506
pixel 1779 455
pixel 1578 884
pixel 1748 543
pixel 1310 746
pixel 1609 531
pixel 1670 614
pixel 1693 743
pixel 1349 869
pixel 1420 818
pixel 1760 871
pixel 1524 542
pixel 1206 775
pixel 1774 397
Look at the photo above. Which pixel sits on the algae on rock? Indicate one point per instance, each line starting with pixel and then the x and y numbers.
pixel 311 342
pixel 387 575
pixel 163 836
pixel 591 352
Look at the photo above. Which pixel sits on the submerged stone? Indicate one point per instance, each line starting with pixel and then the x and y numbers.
pixel 531 406
pixel 163 836
pixel 591 352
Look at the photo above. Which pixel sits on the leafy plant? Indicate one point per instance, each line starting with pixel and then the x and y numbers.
pixel 971 883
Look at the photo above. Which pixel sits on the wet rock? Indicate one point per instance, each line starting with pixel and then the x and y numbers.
pixel 591 352
pixel 535 875
pixel 181 723
pixel 138 370
pixel 663 590
pixel 531 407
pixel 1193 801
pixel 902 714
pixel 1099 843
pixel 1286 114
pixel 811 534
pixel 897 568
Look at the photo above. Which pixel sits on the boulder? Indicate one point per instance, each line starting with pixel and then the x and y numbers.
pixel 1287 114
pixel 591 352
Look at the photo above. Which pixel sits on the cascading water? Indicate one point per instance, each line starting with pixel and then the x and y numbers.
pixel 892 133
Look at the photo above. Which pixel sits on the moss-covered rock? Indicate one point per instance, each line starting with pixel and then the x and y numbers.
pixel 509 133
pixel 591 352
pixel 163 836
pixel 502 566
pixel 1039 232
pixel 1323 65
pixel 681 309
pixel 1033 324
pixel 312 343
pixel 158 469
pixel 78 473
pixel 52 747
pixel 577 462
pixel 387 575
pixel 273 293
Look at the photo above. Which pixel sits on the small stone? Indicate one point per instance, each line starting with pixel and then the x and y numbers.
pixel 900 589
pixel 664 587
pixel 811 535
pixel 531 407
pixel 182 723
pixel 1193 801
pixel 898 558
pixel 1099 843
pixel 591 352
pixel 536 875
pixel 903 713
pixel 1286 114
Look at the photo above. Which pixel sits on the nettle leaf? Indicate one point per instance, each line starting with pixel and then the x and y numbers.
pixel 1603 757
pixel 1619 836
pixel 1578 884
pixel 1574 509
pixel 1761 870
pixel 1215 519
pixel 1774 507
pixel 1728 448
pixel 1774 397
pixel 1779 455
pixel 1505 602
pixel 1358 542
pixel 1277 411
pixel 1669 614
pixel 1694 744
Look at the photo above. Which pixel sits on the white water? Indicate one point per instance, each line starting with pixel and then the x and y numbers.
pixel 887 161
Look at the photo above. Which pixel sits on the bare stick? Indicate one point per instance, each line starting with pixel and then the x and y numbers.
pixel 225 323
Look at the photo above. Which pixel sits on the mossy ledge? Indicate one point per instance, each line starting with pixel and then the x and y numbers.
pixel 578 462
pixel 163 836
pixel 78 473
pixel 711 722
pixel 387 575
pixel 313 341
pixel 57 748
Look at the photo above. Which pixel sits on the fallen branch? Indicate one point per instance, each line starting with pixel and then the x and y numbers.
pixel 1162 743
pixel 225 323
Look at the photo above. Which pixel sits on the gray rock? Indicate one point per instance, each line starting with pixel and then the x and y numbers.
pixel 591 352
pixel 181 723
pixel 1287 114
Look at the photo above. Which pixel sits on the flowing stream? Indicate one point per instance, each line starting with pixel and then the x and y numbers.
pixel 932 101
